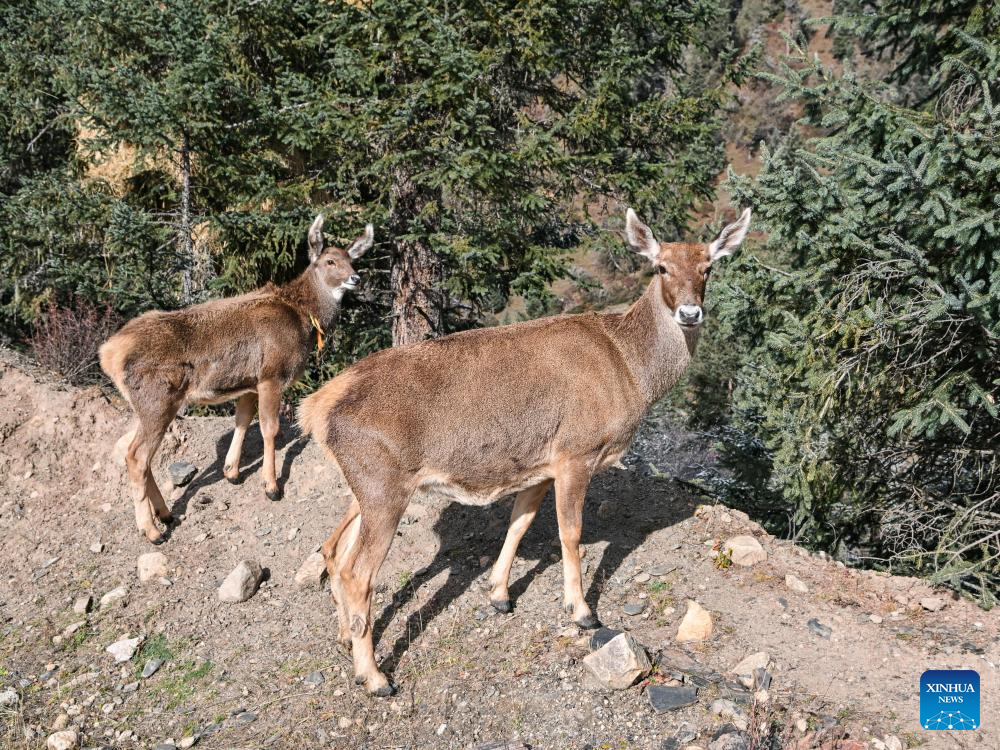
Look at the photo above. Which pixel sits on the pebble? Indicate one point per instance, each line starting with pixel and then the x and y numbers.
pixel 113 597
pixel 696 625
pixel 877 619
pixel 619 662
pixel 131 687
pixel 150 668
pixel 9 698
pixel 67 739
pixel 312 572
pixel 344 722
pixel 634 609
pixel 164 746
pixel 292 533
pixel 124 649
pixel 181 472
pixel 819 628
pixel 82 604
pixel 932 603
pixel 744 671
pixel 728 710
pixel 97 548
pixel 241 583
pixel 667 698
pixel 796 584
pixel 314 678
pixel 729 741
pixel 246 717
pixel 61 722
pixel 643 578
pixel 187 742
pixel 151 565
pixel 745 550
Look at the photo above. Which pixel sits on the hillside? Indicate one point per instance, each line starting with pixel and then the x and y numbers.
pixel 267 672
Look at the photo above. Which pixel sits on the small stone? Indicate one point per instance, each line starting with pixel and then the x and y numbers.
pixel 601 637
pixel 344 722
pixel 796 584
pixel 727 709
pixel 114 597
pixel 97 548
pixel 661 570
pixel 744 671
pixel 61 722
pixel 312 572
pixel 892 742
pixel 877 619
pixel 246 717
pixel 696 625
pixel 73 627
pixel 634 609
pixel 131 687
pixel 802 725
pixel 9 698
pixel 82 604
pixel 151 565
pixel 187 742
pixel 164 746
pixel 241 583
pixel 819 628
pixel 729 741
pixel 440 730
pixel 932 603
pixel 643 578
pixel 665 698
pixel 67 739
pixel 745 550
pixel 292 533
pixel 150 668
pixel 314 678
pixel 618 663
pixel 200 538
pixel 181 472
pixel 124 649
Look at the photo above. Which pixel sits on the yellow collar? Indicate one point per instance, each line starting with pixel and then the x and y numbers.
pixel 319 331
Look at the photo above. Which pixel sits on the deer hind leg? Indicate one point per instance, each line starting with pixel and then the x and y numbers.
pixel 269 393
pixel 121 447
pixel 376 529
pixel 525 509
pixel 334 550
pixel 145 494
pixel 246 405
pixel 571 491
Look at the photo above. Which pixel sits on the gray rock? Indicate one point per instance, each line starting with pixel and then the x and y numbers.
pixel 151 565
pixel 124 649
pixel 131 687
pixel 114 597
pixel 246 717
pixel 729 710
pixel 635 608
pixel 241 583
pixel 187 742
pixel 729 741
pixel 745 550
pixel 150 668
pixel 618 663
pixel 601 637
pixel 9 698
pixel 796 584
pixel 932 603
pixel 666 698
pixel 314 678
pixel 819 628
pixel 662 570
pixel 164 746
pixel 181 472
pixel 82 604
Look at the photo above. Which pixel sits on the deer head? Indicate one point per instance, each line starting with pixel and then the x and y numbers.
pixel 683 267
pixel 331 266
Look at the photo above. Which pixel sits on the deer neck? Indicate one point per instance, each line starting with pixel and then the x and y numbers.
pixel 656 349
pixel 314 300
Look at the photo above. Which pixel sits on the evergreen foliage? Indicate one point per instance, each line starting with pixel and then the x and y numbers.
pixel 865 412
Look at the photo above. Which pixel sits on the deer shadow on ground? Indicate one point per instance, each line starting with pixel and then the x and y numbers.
pixel 251 461
pixel 641 505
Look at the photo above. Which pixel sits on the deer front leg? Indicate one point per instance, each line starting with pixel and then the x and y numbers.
pixel 571 491
pixel 269 394
pixel 525 509
pixel 246 405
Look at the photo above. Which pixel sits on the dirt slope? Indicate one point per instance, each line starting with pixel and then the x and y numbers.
pixel 234 674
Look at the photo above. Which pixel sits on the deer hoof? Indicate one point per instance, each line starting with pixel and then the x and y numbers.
pixel 501 605
pixel 383 692
pixel 589 622
pixel 233 478
pixel 273 495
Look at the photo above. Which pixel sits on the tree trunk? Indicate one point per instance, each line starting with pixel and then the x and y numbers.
pixel 415 280
pixel 185 237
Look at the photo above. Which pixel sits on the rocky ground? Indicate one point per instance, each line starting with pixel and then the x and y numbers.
pixel 103 647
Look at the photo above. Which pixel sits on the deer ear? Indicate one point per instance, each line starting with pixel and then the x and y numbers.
pixel 316 238
pixel 361 245
pixel 730 238
pixel 640 237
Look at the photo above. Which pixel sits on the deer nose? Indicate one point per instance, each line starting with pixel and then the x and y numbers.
pixel 689 315
pixel 354 280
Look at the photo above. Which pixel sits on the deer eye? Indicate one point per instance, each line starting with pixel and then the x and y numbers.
pixel 330 262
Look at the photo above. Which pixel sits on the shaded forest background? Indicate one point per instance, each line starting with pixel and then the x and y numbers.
pixel 155 155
